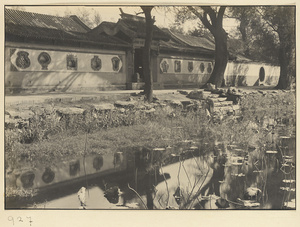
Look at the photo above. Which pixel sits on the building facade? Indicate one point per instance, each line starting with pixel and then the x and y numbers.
pixel 46 53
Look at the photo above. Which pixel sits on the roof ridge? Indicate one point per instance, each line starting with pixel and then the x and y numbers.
pixel 48 15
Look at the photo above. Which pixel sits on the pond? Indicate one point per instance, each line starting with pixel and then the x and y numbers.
pixel 187 176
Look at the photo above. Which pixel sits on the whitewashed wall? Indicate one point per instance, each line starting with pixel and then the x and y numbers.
pixel 247 74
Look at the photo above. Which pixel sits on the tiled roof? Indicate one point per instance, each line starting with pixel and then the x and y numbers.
pixel 37 27
pixel 138 29
pixel 131 28
pixel 44 21
pixel 192 41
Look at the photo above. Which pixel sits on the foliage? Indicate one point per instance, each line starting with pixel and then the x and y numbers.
pixel 268 34
pixel 91 18
pixel 113 130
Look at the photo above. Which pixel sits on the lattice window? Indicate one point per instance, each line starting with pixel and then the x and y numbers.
pixel 177 65
pixel 23 60
pixel 190 66
pixel 202 67
pixel 96 63
pixel 209 68
pixel 71 62
pixel 115 63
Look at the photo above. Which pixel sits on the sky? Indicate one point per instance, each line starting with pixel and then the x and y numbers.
pixel 164 17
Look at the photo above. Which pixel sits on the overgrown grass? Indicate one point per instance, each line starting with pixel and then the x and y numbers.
pixel 50 136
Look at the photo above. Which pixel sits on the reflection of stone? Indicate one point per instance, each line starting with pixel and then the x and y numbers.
pixel 23 60
pixel 44 59
pixel 81 196
pixel 112 194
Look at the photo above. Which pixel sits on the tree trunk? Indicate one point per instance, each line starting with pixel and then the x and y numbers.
pixel 147 53
pixel 221 58
pixel 215 26
pixel 287 63
pixel 284 80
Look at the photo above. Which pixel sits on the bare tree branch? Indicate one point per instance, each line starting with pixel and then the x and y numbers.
pixel 203 18
pixel 265 20
pixel 211 13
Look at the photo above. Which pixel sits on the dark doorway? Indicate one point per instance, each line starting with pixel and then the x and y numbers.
pixel 138 64
pixel 262 74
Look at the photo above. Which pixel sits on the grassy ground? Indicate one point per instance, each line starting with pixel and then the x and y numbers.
pixel 47 138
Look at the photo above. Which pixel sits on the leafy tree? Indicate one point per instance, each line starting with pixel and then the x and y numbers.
pixel 245 15
pixel 91 18
pixel 268 34
pixel 212 19
pixel 281 20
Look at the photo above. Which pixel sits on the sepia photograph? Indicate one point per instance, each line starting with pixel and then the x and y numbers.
pixel 149 107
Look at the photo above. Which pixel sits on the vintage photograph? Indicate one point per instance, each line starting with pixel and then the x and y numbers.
pixel 150 107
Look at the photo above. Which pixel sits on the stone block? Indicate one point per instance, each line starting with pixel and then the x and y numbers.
pixel 196 94
pixel 125 104
pixel 103 107
pixel 70 110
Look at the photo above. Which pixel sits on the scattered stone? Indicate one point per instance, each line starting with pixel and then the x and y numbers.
pixel 210 87
pixel 234 98
pixel 125 104
pixel 176 103
pixel 24 114
pixel 183 92
pixel 152 110
pixel 231 90
pixel 70 110
pixel 225 103
pixel 262 92
pixel 103 107
pixel 196 94
pixel 185 103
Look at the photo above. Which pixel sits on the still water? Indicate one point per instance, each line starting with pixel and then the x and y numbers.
pixel 229 177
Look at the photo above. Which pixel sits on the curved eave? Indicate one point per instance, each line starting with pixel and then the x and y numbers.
pixel 9 37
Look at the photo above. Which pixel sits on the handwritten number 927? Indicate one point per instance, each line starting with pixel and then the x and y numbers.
pixel 19 220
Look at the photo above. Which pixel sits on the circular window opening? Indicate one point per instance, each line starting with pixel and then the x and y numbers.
pixel 262 74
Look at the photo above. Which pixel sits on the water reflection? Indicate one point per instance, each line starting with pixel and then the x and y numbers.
pixel 184 177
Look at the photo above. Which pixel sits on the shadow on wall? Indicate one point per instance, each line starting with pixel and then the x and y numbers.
pixel 251 74
pixel 18 82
